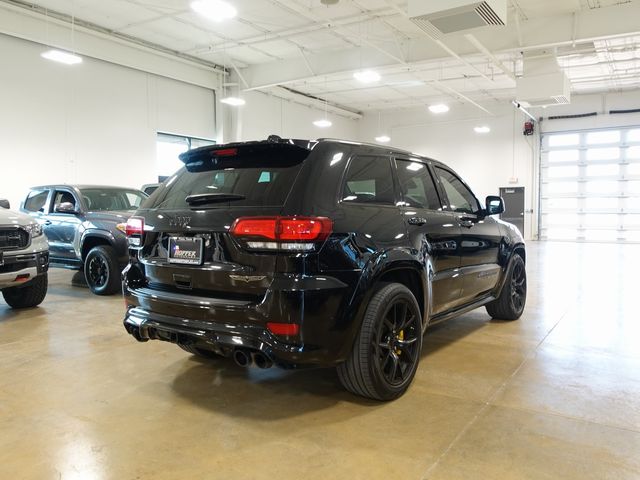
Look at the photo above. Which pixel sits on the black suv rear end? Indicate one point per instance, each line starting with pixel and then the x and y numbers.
pixel 266 252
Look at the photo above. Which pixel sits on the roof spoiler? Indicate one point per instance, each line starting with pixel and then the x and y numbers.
pixel 274 153
pixel 274 144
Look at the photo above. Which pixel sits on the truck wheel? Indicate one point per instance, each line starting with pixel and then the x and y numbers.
pixel 510 304
pixel 200 352
pixel 28 295
pixel 386 353
pixel 101 270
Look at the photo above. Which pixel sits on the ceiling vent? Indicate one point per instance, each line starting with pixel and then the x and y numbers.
pixel 543 84
pixel 438 17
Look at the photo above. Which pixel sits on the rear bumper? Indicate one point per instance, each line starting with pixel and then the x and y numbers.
pixel 223 325
pixel 18 269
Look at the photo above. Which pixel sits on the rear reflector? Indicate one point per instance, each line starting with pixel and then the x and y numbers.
pixel 22 278
pixel 288 329
pixel 284 229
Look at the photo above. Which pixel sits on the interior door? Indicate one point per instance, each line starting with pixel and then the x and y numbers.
pixel 513 206
pixel 432 231
pixel 480 237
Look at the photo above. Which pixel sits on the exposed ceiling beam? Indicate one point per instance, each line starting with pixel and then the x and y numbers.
pixel 537 33
pixel 485 51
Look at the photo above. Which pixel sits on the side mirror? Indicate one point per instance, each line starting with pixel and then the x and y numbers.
pixel 4 203
pixel 66 207
pixel 495 205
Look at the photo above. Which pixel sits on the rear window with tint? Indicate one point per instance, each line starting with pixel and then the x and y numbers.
pixel 261 186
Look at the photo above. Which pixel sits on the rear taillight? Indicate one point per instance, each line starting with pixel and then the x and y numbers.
pixel 135 231
pixel 282 233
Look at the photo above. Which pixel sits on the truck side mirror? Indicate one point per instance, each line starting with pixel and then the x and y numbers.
pixel 495 205
pixel 66 207
pixel 4 203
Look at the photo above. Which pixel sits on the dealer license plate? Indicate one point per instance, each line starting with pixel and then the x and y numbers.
pixel 185 250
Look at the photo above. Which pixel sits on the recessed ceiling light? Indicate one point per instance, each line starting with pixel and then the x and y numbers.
pixel 383 139
pixel 367 76
pixel 234 101
pixel 438 108
pixel 61 57
pixel 482 129
pixel 216 10
pixel 324 123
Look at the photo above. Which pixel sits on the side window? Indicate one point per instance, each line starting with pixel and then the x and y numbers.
pixel 36 201
pixel 460 197
pixel 417 186
pixel 61 196
pixel 369 180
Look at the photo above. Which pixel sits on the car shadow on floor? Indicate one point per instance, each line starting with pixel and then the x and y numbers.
pixel 272 394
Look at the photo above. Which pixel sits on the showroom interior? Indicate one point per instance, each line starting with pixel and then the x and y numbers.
pixel 535 101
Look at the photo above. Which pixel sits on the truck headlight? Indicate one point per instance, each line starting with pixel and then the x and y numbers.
pixel 34 229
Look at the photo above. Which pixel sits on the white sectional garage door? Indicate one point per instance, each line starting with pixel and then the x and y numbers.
pixel 590 185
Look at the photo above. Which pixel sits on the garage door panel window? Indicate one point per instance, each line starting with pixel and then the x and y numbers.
pixel 563 140
pixel 604 136
pixel 590 185
pixel 601 154
pixel 633 135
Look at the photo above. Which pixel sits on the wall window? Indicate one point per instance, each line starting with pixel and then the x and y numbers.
pixel 168 147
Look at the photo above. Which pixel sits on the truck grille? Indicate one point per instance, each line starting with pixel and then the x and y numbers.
pixel 13 239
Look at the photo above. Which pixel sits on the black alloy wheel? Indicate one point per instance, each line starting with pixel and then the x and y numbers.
pixel 101 270
pixel 518 287
pixel 386 352
pixel 510 304
pixel 396 341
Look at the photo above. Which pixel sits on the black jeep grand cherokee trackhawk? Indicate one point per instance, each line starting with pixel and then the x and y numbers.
pixel 326 253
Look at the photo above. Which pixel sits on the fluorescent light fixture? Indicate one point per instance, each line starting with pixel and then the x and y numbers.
pixel 324 123
pixel 216 10
pixel 234 101
pixel 383 139
pixel 367 76
pixel 61 57
pixel 438 108
pixel 482 129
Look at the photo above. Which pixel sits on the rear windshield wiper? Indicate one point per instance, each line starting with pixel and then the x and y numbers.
pixel 204 198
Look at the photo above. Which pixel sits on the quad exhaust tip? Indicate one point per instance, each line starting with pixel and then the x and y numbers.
pixel 247 358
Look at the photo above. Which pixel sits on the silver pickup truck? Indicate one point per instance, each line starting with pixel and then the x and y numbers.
pixel 24 259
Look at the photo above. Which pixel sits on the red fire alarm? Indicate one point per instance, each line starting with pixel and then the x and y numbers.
pixel 528 128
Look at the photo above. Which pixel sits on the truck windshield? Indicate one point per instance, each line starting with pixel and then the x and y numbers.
pixel 105 199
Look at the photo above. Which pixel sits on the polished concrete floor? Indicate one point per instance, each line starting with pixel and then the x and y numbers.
pixel 555 395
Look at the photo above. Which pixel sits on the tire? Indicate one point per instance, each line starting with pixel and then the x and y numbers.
pixel 101 270
pixel 510 304
pixel 390 337
pixel 29 295
pixel 199 352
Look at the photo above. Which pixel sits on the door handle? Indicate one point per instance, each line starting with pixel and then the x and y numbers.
pixel 47 222
pixel 466 223
pixel 418 221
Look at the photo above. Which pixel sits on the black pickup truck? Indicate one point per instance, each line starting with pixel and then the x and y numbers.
pixel 85 226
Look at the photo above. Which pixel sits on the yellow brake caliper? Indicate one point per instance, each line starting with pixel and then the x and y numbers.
pixel 400 337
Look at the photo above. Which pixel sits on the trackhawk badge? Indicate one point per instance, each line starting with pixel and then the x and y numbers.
pixel 179 221
pixel 247 278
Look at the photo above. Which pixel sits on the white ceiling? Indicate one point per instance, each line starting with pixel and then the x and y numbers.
pixel 280 32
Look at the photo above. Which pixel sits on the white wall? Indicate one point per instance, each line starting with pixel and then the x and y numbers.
pixel 95 122
pixel 487 162
pixel 264 115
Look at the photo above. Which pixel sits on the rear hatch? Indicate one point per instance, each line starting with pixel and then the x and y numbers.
pixel 187 245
